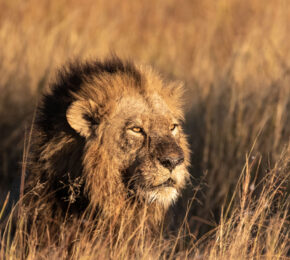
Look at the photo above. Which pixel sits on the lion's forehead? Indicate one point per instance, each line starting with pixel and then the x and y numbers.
pixel 145 109
pixel 157 103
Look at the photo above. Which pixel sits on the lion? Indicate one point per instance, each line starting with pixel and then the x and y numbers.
pixel 107 136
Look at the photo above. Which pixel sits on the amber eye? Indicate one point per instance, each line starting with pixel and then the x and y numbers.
pixel 136 129
pixel 173 127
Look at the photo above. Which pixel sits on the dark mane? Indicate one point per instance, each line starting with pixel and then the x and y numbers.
pixel 51 119
pixel 70 78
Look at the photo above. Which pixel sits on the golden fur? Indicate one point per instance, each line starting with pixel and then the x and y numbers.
pixel 107 135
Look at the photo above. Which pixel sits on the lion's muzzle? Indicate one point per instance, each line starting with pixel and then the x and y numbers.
pixel 170 155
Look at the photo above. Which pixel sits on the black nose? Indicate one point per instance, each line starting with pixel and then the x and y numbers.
pixel 170 162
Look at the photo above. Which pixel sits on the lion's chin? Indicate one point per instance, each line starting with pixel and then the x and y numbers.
pixel 163 195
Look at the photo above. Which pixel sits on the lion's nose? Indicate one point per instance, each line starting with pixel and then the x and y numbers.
pixel 170 162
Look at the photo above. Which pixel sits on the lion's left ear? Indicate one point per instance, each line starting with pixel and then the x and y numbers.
pixel 79 115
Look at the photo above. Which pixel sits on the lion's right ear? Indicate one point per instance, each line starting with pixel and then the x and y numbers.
pixel 80 117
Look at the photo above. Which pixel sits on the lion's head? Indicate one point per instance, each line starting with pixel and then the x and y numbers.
pixel 117 127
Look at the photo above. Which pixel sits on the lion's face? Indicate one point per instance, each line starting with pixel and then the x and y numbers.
pixel 135 146
pixel 148 140
pixel 142 139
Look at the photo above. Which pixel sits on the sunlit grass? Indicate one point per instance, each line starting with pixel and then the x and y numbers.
pixel 233 57
pixel 256 228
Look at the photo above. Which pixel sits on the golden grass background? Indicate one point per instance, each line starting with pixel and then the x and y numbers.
pixel 233 57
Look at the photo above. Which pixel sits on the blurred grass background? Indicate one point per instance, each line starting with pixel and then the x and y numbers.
pixel 233 57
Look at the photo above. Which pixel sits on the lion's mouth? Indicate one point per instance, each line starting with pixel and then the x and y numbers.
pixel 169 183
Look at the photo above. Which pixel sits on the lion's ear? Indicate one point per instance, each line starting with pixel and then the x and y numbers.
pixel 80 116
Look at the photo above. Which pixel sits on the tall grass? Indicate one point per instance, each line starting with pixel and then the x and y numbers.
pixel 255 228
pixel 233 57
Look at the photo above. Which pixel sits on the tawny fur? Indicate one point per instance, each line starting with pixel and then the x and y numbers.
pixel 107 136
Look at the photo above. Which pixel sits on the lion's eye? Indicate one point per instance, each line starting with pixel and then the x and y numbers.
pixel 173 127
pixel 136 129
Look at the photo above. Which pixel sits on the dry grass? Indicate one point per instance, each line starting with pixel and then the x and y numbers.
pixel 233 57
